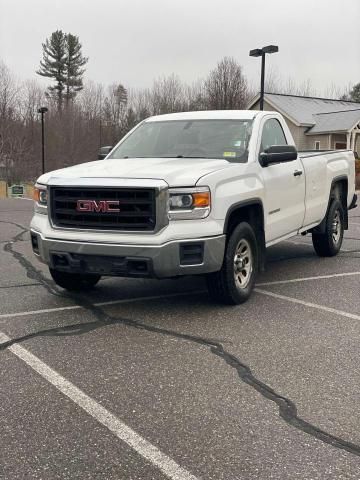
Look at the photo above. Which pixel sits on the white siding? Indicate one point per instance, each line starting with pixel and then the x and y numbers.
pixel 323 139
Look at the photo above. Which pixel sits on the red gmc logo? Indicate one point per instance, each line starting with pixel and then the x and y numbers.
pixel 98 206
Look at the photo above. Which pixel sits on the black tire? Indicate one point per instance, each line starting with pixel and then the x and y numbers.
pixel 328 244
pixel 222 285
pixel 74 282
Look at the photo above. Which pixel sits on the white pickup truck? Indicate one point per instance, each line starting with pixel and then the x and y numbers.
pixel 191 193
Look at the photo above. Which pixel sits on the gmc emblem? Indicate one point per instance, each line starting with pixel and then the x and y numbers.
pixel 102 206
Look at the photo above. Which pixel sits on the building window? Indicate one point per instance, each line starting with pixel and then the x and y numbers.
pixel 340 146
pixel 317 145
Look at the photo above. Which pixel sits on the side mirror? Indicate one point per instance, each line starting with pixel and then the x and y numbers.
pixel 277 154
pixel 104 151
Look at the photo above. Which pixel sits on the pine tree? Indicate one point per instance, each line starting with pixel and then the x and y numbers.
pixel 63 61
pixel 53 64
pixel 74 63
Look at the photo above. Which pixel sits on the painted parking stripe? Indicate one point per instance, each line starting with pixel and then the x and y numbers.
pixel 307 279
pixel 308 304
pixel 299 242
pixel 158 297
pixel 142 446
pixel 100 304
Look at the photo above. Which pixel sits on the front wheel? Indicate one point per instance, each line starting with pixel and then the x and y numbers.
pixel 235 281
pixel 329 243
pixel 74 282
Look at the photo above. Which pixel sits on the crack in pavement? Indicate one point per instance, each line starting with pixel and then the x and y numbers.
pixel 287 408
pixel 19 285
pixel 25 229
pixel 31 272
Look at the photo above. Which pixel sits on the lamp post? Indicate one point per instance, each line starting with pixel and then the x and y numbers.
pixel 42 110
pixel 261 52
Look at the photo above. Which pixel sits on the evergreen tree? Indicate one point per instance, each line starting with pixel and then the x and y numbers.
pixel 74 63
pixel 63 61
pixel 53 64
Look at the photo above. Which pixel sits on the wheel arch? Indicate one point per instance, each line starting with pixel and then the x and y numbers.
pixel 251 211
pixel 339 191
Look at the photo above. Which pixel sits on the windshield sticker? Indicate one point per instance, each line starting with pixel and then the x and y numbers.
pixel 229 154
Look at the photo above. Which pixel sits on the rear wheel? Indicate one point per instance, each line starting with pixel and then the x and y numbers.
pixel 74 282
pixel 329 243
pixel 235 281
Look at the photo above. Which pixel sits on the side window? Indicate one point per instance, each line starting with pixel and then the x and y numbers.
pixel 272 134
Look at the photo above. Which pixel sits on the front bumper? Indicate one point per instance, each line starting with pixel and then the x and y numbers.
pixel 180 257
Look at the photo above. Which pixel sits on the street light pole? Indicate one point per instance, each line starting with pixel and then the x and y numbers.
pixel 262 84
pixel 42 110
pixel 261 52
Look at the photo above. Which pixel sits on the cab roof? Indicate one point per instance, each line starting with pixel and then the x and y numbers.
pixel 206 115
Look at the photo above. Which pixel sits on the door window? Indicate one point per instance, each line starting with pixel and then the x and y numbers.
pixel 272 134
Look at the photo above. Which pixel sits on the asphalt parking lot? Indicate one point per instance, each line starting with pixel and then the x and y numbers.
pixel 150 380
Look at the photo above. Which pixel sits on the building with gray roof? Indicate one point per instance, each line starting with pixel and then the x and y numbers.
pixel 317 123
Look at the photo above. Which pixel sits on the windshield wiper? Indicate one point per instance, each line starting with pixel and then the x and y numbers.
pixel 182 156
pixel 167 156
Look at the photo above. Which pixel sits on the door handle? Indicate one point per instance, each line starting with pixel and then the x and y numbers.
pixel 297 173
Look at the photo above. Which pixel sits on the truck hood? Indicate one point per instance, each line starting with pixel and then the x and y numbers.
pixel 177 172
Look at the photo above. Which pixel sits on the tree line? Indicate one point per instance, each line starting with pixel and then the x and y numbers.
pixel 82 116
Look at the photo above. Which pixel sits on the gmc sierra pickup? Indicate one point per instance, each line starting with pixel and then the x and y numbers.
pixel 191 193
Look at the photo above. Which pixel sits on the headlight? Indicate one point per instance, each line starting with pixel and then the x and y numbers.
pixel 189 203
pixel 41 198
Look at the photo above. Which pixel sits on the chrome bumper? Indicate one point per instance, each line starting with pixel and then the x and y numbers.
pixel 170 259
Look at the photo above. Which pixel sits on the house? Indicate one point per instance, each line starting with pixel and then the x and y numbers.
pixel 317 123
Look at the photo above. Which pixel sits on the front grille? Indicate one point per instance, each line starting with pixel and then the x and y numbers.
pixel 137 208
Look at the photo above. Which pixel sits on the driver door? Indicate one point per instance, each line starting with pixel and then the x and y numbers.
pixel 284 187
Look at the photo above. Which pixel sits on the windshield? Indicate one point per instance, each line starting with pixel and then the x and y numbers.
pixel 227 139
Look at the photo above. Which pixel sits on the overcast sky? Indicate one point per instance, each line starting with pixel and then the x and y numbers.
pixel 135 41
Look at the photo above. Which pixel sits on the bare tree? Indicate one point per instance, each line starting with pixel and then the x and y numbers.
pixel 9 90
pixel 10 138
pixel 166 95
pixel 226 87
pixel 195 96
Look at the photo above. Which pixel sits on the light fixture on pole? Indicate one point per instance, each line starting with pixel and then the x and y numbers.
pixel 42 110
pixel 261 52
